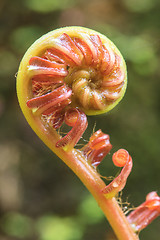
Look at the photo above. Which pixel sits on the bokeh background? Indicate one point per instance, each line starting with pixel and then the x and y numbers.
pixel 40 198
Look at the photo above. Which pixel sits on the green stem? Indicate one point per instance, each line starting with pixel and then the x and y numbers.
pixel 91 179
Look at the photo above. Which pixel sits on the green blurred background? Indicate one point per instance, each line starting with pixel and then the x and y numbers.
pixel 40 198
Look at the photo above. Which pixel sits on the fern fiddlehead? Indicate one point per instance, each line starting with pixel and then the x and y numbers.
pixel 65 75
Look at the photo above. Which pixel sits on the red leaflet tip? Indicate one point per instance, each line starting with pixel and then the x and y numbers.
pixel 153 201
pixel 97 148
pixel 143 215
pixel 120 157
pixel 77 119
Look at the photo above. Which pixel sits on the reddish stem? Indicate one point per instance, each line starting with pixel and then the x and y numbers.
pixel 95 184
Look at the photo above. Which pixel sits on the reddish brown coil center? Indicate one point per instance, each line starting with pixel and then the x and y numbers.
pixel 89 68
